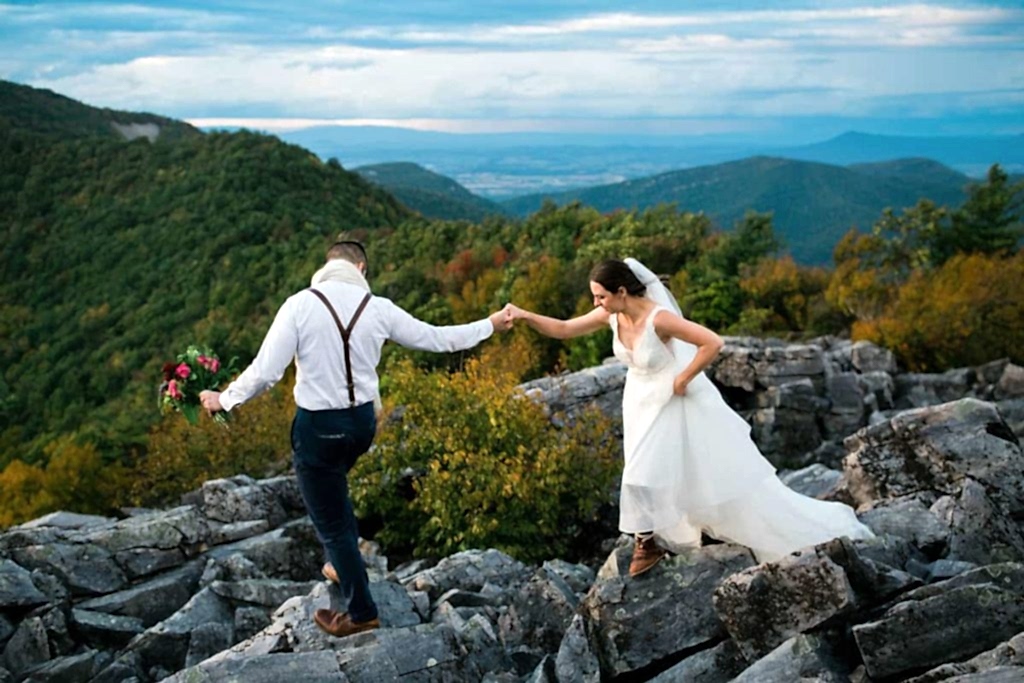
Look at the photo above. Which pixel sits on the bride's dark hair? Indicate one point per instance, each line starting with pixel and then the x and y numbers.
pixel 612 274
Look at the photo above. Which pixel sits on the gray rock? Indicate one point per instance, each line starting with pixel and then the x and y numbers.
pixel 167 643
pixel 945 621
pixel 920 390
pixel 5 676
pixel 939 570
pixel 291 551
pixel 153 600
pixel 394 604
pixel 182 528
pixel 207 640
pixel 806 658
pixel 579 576
pixel 1012 411
pixel 430 652
pixel 100 630
pixel 867 357
pixel 236 531
pixel 785 432
pixel 286 489
pixel 846 412
pixel 240 499
pixel 635 622
pixel 910 518
pixel 28 647
pixel 52 587
pixel 249 621
pixel 17 588
pixel 405 572
pixel 308 667
pixel 56 626
pixel 812 481
pixel 67 520
pixel 6 629
pixel 469 570
pixel 79 668
pixel 1008 654
pixel 765 605
pixel 979 529
pixel 86 569
pixel 138 562
pixel 719 664
pixel 934 449
pixel 1011 383
pixel 265 592
pixel 576 661
pixel 236 567
pixel 126 668
pixel 878 389
pixel 540 613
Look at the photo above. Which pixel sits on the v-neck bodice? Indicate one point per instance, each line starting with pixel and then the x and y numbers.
pixel 649 353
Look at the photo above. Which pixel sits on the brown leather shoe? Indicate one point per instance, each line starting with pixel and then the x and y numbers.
pixel 646 554
pixel 339 625
pixel 329 573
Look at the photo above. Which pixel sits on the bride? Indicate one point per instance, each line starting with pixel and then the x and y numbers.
pixel 690 465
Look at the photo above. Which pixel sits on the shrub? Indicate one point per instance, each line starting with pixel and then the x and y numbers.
pixel 181 456
pixel 487 466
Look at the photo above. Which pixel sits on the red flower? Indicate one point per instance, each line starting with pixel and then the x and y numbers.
pixel 168 371
pixel 183 371
pixel 173 391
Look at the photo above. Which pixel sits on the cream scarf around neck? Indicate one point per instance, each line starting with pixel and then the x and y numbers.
pixel 340 270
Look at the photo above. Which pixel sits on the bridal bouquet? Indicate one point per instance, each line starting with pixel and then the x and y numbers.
pixel 196 370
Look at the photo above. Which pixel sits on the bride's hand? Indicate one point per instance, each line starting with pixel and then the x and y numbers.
pixel 679 385
pixel 515 312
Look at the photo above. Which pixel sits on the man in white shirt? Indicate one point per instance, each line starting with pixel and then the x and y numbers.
pixel 334 331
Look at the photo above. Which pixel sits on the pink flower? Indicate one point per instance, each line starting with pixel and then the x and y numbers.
pixel 183 371
pixel 214 365
pixel 173 391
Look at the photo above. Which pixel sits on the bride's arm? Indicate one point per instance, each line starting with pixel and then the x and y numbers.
pixel 708 344
pixel 562 329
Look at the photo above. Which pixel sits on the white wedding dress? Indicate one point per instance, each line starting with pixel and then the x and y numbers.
pixel 691 466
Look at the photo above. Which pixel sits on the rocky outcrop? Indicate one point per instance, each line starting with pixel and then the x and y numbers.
pixel 223 587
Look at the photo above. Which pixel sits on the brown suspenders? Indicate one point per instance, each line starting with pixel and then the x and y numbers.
pixel 345 334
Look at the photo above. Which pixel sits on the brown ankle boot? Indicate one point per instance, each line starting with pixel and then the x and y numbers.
pixel 646 554
pixel 339 624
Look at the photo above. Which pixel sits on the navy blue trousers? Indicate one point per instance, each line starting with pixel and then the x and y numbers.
pixel 325 446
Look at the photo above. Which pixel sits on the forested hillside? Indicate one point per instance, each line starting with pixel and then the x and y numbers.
pixel 429 193
pixel 812 204
pixel 118 254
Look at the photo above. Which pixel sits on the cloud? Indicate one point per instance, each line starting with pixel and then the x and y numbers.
pixel 626 65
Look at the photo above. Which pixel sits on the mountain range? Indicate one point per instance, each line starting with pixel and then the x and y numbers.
pixel 431 194
pixel 502 166
pixel 812 204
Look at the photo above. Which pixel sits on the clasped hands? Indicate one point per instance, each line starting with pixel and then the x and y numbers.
pixel 503 319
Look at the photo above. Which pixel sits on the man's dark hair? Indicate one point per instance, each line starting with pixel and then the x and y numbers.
pixel 349 250
pixel 612 274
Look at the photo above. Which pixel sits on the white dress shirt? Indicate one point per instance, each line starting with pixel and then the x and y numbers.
pixel 305 331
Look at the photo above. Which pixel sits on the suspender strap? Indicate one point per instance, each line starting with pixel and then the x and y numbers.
pixel 346 333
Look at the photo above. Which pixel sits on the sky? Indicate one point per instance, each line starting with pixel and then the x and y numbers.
pixel 697 67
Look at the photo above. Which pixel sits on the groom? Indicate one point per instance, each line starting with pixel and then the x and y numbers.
pixel 334 331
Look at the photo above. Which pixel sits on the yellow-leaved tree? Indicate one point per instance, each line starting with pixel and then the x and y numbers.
pixel 465 461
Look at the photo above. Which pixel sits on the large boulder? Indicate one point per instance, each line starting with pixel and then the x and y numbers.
pixel 945 621
pixel 934 449
pixel 634 622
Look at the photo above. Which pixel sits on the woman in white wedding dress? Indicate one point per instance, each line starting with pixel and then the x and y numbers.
pixel 690 464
